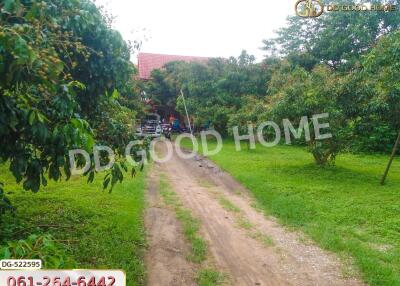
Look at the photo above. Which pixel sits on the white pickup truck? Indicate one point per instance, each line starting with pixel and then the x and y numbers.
pixel 150 127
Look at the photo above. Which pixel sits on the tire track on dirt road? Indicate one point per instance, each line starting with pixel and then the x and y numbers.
pixel 166 257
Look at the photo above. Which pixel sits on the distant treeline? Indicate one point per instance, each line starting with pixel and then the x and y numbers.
pixel 344 64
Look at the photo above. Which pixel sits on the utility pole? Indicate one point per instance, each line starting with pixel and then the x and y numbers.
pixel 396 146
pixel 187 114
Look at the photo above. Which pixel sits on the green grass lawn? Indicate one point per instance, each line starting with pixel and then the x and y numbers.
pixel 101 230
pixel 343 208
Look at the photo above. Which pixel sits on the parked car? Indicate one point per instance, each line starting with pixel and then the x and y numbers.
pixel 150 127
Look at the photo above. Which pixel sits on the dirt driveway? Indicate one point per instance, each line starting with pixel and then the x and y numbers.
pixel 249 247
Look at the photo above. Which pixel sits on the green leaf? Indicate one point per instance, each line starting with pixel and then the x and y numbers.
pixel 31 118
pixel 91 177
pixel 41 117
pixel 76 84
pixel 115 94
pixel 106 183
pixel 5 253
pixel 77 123
pixel 10 5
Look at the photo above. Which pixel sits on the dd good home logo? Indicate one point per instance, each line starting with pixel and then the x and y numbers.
pixel 315 8
pixel 309 8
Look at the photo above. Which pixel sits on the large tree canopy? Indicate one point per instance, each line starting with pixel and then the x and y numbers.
pixel 60 68
pixel 370 96
pixel 335 38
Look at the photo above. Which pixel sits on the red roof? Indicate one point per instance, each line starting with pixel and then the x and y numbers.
pixel 148 62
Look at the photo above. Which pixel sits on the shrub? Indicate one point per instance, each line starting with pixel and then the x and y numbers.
pixel 43 247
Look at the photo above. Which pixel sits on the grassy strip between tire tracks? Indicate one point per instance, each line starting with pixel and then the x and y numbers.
pixel 206 276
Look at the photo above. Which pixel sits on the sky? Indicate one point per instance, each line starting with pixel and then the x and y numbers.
pixel 211 28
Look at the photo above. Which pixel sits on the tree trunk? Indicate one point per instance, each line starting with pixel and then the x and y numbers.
pixel 396 145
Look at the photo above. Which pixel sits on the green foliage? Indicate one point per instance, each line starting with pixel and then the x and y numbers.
pixel 114 124
pixel 363 104
pixel 5 203
pixel 213 90
pixel 43 247
pixel 37 100
pixel 370 97
pixel 342 64
pixel 384 63
pixel 59 61
pixel 87 221
pixel 299 93
pixel 362 51
pixel 249 113
pixel 337 39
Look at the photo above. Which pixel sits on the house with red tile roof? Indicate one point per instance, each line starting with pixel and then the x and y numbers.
pixel 148 62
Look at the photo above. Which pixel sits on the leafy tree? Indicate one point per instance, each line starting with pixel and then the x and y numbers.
pixel 58 62
pixel 251 112
pixel 335 38
pixel 384 63
pixel 297 93
pixel 370 96
pixel 360 50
